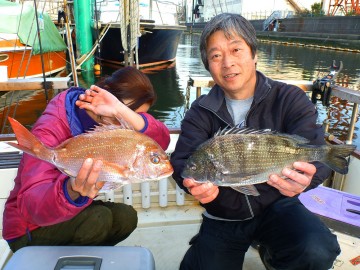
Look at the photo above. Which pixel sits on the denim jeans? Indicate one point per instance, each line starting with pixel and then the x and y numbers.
pixel 100 224
pixel 294 239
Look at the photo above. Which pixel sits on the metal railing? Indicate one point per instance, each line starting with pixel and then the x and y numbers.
pixel 276 15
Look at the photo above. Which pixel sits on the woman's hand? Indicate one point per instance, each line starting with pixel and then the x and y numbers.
pixel 203 192
pixel 85 183
pixel 297 182
pixel 108 108
pixel 101 102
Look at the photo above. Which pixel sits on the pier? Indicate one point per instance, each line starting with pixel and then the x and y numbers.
pixel 330 32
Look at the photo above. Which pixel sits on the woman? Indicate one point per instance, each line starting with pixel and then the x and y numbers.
pixel 46 207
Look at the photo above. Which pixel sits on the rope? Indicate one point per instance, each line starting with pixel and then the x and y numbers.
pixel 129 25
pixel 214 7
pixel 96 44
pixel 157 6
pixel 134 23
pixel 221 7
pixel 124 14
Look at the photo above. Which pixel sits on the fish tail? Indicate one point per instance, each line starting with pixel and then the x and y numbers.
pixel 336 157
pixel 27 142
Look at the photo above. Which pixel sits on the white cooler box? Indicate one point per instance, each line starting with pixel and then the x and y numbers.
pixel 81 257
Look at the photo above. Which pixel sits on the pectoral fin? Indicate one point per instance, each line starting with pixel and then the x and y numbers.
pixel 113 168
pixel 67 172
pixel 234 178
pixel 111 186
pixel 247 190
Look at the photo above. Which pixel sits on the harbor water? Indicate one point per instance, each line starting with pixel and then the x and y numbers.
pixel 275 60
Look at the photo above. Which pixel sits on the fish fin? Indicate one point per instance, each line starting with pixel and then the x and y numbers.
pixel 242 130
pixel 125 124
pixel 336 157
pixel 111 186
pixel 103 127
pixel 234 177
pixel 27 142
pixel 247 190
pixel 246 130
pixel 122 171
pixel 109 126
pixel 67 172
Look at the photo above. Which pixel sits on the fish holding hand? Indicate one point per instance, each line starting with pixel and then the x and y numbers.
pixel 127 156
pixel 242 157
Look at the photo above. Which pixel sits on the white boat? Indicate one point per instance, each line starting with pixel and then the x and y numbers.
pixel 169 217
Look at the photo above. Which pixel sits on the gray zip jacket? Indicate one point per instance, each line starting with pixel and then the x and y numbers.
pixel 276 106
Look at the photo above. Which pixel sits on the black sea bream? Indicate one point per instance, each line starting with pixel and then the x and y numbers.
pixel 242 157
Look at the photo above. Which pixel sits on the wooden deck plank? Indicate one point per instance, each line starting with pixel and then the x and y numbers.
pixel 34 84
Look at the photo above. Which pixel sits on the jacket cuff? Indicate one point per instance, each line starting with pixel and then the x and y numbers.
pixel 146 123
pixel 81 201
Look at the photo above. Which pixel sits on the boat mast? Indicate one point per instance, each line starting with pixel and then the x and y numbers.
pixel 82 12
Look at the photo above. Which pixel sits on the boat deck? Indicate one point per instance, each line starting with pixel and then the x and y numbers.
pixel 169 218
pixel 166 233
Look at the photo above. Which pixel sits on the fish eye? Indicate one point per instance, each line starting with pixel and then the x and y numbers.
pixel 155 159
pixel 193 167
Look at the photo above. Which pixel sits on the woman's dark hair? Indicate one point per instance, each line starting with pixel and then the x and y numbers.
pixel 130 83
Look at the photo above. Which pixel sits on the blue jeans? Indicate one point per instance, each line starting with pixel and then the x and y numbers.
pixel 294 239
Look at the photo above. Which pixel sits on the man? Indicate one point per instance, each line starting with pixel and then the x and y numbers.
pixel 289 235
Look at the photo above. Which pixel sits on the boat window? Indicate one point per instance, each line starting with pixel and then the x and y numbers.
pixel 4 57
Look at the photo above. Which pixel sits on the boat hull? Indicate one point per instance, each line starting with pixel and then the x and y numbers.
pixel 22 64
pixel 157 46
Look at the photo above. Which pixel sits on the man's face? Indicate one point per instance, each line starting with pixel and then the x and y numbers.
pixel 231 65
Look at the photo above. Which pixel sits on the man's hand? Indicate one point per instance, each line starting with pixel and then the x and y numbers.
pixel 299 181
pixel 204 193
pixel 86 184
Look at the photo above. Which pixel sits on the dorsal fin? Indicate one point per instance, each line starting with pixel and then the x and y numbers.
pixel 242 130
pixel 109 126
pixel 246 130
pixel 125 124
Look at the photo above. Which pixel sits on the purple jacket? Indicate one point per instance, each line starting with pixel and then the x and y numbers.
pixel 39 197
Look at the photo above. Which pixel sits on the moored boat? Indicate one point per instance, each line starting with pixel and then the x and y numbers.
pixel 20 49
pixel 151 40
